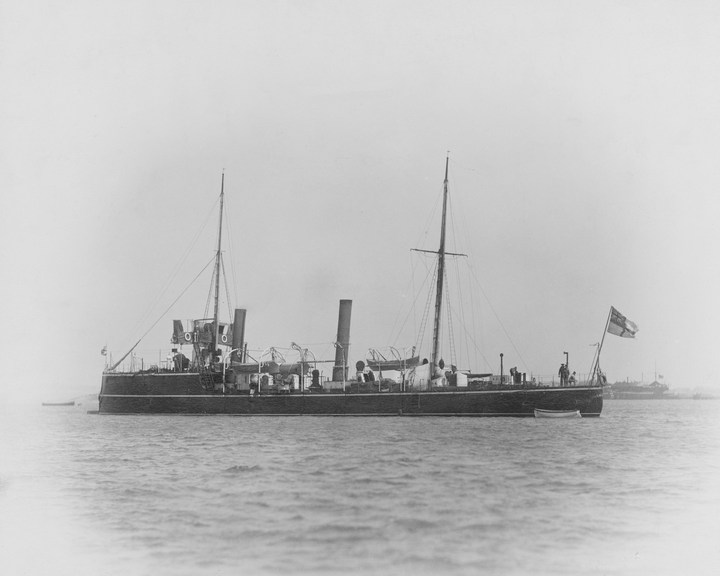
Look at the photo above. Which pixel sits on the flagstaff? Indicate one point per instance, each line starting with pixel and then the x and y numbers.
pixel 618 325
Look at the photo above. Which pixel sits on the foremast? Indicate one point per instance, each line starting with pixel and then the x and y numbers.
pixel 218 256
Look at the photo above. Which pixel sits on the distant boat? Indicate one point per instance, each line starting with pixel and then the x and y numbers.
pixel 557 413
pixel 638 390
pixel 58 403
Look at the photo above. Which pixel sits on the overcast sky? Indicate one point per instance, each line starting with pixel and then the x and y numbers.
pixel 584 140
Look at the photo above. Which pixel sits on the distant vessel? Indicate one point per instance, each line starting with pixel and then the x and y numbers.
pixel 58 403
pixel 229 381
pixel 637 390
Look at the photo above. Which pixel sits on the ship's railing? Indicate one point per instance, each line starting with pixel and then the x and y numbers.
pixel 533 380
pixel 159 360
pixel 163 361
pixel 582 379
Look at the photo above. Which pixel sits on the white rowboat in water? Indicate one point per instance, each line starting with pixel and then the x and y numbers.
pixel 557 413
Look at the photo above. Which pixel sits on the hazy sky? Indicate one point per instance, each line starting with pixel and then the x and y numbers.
pixel 584 141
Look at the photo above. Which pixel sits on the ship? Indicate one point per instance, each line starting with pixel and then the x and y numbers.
pixel 212 372
pixel 637 390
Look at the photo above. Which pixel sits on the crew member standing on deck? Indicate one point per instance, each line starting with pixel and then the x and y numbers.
pixel 561 373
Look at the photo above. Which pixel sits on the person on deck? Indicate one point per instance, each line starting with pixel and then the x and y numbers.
pixel 573 380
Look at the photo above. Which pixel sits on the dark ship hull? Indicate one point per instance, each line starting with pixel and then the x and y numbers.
pixel 183 394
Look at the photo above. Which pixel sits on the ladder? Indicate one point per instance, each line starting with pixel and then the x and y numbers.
pixel 206 376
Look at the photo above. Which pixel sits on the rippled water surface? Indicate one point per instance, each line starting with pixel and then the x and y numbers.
pixel 636 491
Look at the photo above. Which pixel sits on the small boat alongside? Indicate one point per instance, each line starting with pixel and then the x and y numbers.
pixel 539 413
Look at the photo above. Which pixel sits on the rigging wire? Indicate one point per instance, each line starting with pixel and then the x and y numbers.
pixel 458 243
pixel 451 340
pixel 477 348
pixel 426 314
pixel 411 311
pixel 465 229
pixel 465 167
pixel 499 321
pixel 173 273
pixel 227 291
pixel 232 254
pixel 426 231
pixel 210 291
pixel 455 230
pixel 412 308
pixel 228 297
pixel 461 306
pixel 456 246
pixel 474 277
pixel 400 309
pixel 176 299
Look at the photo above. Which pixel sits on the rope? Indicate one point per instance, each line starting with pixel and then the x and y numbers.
pixel 166 284
pixel 171 305
pixel 426 315
pixel 469 337
pixel 451 336
pixel 232 255
pixel 474 277
pixel 210 291
pixel 412 307
pixel 227 291
pixel 499 321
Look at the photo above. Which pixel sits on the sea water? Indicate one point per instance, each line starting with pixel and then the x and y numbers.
pixel 636 491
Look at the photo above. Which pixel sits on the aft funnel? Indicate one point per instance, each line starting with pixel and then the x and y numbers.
pixel 342 348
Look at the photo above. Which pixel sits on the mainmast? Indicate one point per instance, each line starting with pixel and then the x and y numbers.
pixel 440 276
pixel 216 335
